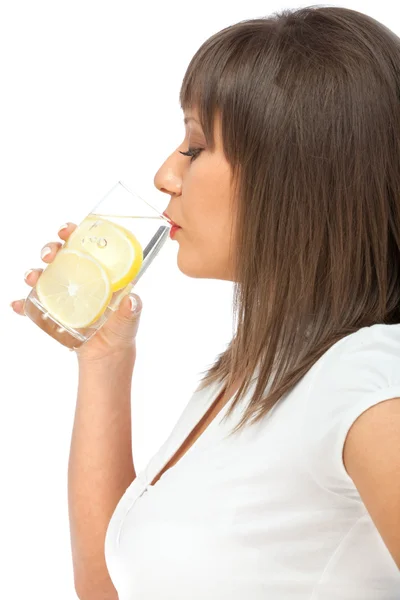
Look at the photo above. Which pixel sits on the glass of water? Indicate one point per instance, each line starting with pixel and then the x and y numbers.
pixel 99 264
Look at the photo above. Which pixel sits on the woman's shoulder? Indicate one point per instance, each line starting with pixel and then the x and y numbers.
pixel 368 358
pixel 359 371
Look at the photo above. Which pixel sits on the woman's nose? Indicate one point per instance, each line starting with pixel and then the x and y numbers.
pixel 167 179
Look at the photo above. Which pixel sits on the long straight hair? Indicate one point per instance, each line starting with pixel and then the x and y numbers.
pixel 309 101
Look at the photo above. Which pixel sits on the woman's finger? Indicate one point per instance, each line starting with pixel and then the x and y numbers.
pixel 49 251
pixel 18 307
pixel 32 276
pixel 65 231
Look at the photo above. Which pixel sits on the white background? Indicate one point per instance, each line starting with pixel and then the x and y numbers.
pixel 89 96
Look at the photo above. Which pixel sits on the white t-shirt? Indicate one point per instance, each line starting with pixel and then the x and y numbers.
pixel 271 513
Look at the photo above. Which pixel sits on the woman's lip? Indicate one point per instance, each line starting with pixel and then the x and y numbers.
pixel 170 220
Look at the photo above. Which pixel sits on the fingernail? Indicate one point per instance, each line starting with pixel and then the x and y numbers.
pixel 28 273
pixel 65 226
pixel 133 303
pixel 45 252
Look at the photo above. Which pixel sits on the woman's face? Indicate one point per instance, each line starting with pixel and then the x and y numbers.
pixel 200 190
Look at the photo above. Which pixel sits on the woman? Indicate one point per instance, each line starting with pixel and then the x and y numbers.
pixel 291 191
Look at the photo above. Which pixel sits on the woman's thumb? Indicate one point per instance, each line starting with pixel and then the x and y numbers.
pixel 124 323
pixel 130 307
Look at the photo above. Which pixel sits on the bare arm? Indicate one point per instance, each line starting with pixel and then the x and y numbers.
pixel 100 468
pixel 371 456
pixel 100 461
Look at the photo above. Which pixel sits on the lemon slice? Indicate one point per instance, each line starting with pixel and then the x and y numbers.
pixel 75 289
pixel 115 247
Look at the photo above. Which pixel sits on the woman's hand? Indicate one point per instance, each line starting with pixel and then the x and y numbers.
pixel 117 337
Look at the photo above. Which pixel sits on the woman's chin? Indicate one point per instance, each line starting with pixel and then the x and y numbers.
pixel 198 271
pixel 192 268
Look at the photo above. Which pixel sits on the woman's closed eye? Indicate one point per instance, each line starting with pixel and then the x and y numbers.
pixel 192 152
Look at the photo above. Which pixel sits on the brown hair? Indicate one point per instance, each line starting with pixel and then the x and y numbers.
pixel 310 121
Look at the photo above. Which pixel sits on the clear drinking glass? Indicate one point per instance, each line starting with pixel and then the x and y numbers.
pixel 98 265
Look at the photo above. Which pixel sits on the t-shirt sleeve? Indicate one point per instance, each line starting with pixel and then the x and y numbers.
pixel 363 370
